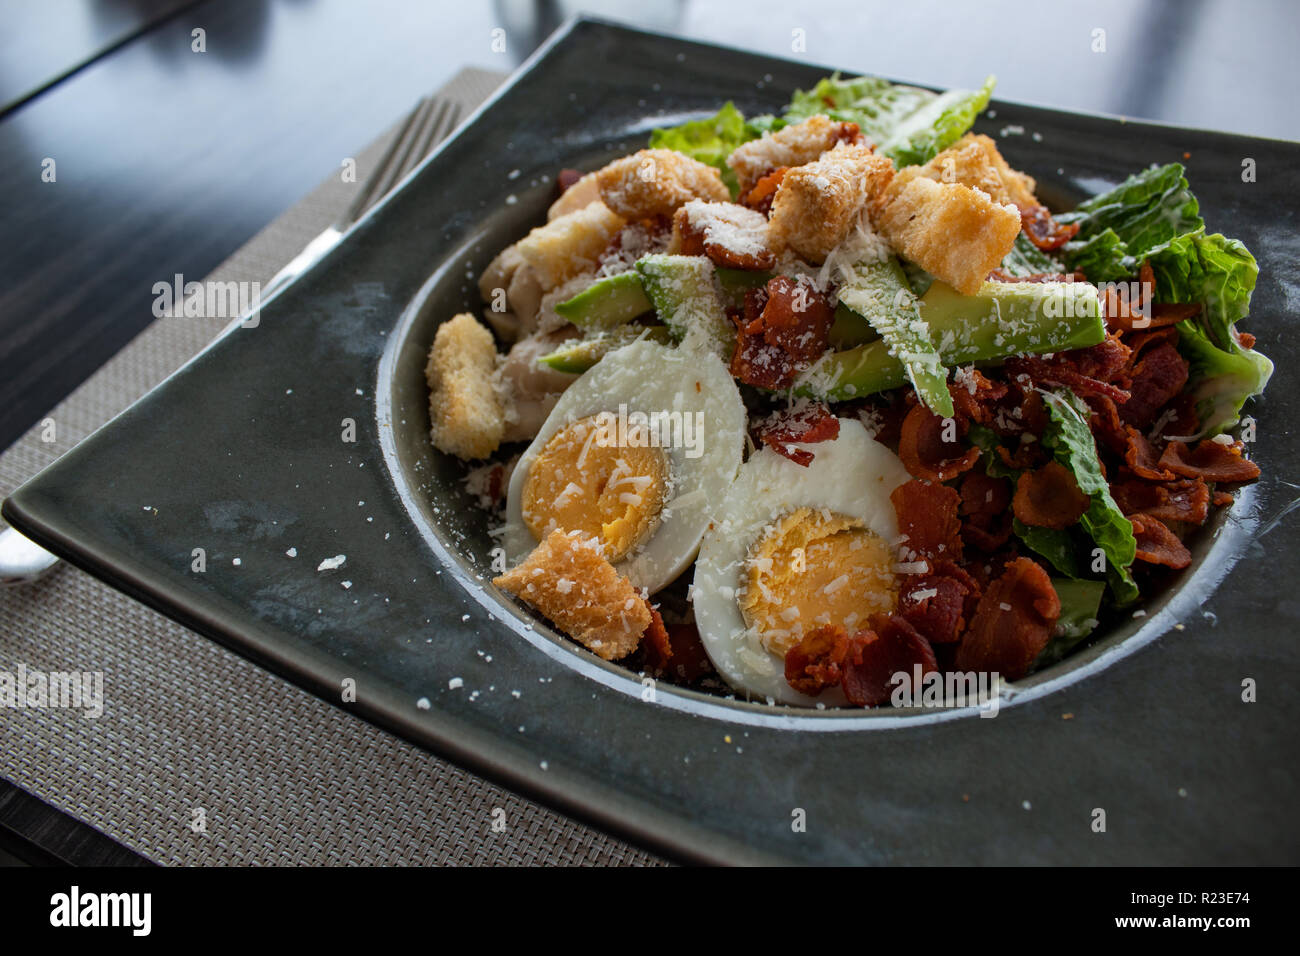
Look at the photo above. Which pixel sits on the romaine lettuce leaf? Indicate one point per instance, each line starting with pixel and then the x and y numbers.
pixel 1056 545
pixel 1070 440
pixel 876 105
pixel 1102 258
pixel 1080 606
pixel 936 125
pixel 911 125
pixel 709 140
pixel 1026 259
pixel 1220 274
pixel 1220 380
pixel 1148 208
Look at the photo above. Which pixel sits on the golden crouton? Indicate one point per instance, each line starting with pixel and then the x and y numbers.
pixel 569 244
pixel 731 235
pixel 655 182
pixel 567 579
pixel 973 161
pixel 578 196
pixel 818 203
pixel 791 146
pixel 954 232
pixel 464 406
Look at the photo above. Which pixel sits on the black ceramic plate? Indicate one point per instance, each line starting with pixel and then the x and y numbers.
pixel 241 453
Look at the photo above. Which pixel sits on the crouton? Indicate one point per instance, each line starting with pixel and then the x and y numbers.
pixel 954 232
pixel 655 182
pixel 792 146
pixel 567 578
pixel 730 235
pixel 972 161
pixel 818 203
pixel 578 196
pixel 569 244
pixel 464 406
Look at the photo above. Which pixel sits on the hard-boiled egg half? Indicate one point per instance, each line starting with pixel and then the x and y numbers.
pixel 636 454
pixel 793 548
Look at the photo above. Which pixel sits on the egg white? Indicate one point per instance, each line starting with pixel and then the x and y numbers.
pixel 852 475
pixel 646 376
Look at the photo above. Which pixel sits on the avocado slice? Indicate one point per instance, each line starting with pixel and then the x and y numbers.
pixel 578 355
pixel 686 297
pixel 607 304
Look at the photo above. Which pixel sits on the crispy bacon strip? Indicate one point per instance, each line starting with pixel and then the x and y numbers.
pixel 1158 376
pixel 784 328
pixel 764 191
pixel 655 643
pixel 1072 369
pixel 1049 497
pixel 1211 461
pixel 1184 500
pixel 690 661
pixel 1107 428
pixel 892 646
pixel 806 425
pixel 817 661
pixel 1013 622
pixel 1142 457
pixel 927 516
pixel 985 504
pixel 1044 231
pixel 930 447
pixel 1156 544
pixel 939 604
pixel 974 396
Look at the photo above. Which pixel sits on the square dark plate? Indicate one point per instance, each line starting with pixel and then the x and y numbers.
pixel 242 453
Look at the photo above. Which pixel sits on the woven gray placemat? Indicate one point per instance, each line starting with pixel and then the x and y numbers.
pixel 199 756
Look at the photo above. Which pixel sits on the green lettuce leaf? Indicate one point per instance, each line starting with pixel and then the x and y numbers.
pixel 937 125
pixel 1154 217
pixel 1220 380
pixel 911 125
pixel 1070 440
pixel 1220 274
pixel 709 140
pixel 987 441
pixel 1147 209
pixel 767 123
pixel 1102 258
pixel 1080 606
pixel 1058 546
pixel 1026 259
pixel 876 105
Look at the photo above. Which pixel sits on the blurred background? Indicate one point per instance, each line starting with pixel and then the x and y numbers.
pixel 168 159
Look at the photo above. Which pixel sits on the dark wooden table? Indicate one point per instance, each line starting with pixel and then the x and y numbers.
pixel 167 159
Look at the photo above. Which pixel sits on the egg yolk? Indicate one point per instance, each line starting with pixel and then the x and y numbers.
pixel 812 568
pixel 579 483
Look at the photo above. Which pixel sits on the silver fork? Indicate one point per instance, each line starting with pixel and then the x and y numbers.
pixel 433 119
pixel 428 124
